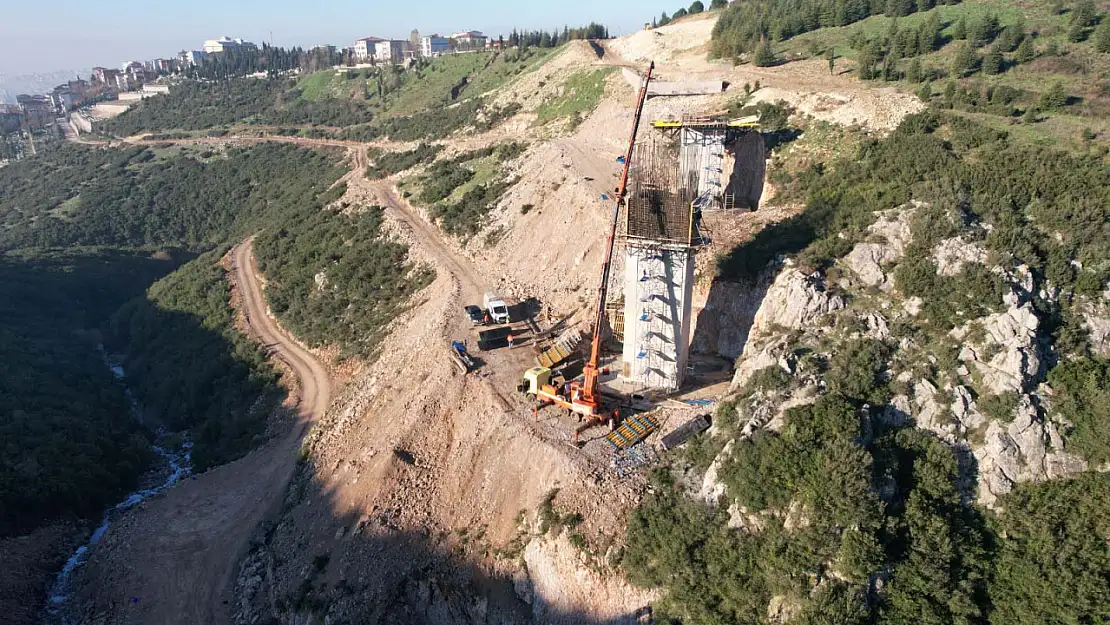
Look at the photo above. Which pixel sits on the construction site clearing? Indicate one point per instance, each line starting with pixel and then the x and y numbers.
pixel 628 390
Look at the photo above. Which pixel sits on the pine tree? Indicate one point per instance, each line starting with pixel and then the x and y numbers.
pixel 1077 32
pixel 966 61
pixel 914 73
pixel 1055 98
pixel 992 62
pixel 1102 36
pixel 959 31
pixel 764 55
pixel 925 93
pixel 830 56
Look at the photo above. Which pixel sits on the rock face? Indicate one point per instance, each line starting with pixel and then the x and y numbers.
pixel 725 321
pixel 795 301
pixel 868 260
pixel 1011 358
pixel 951 255
pixel 563 590
pixel 1096 320
pixel 1027 449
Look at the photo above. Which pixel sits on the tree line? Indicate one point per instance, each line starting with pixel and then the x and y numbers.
pixel 695 8
pixel 553 38
pixel 747 24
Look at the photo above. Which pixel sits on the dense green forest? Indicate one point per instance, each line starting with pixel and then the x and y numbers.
pixel 71 444
pixel 878 502
pixel 427 101
pixel 332 278
pixel 748 23
pixel 190 368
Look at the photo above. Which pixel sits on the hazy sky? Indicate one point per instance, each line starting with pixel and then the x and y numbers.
pixel 65 34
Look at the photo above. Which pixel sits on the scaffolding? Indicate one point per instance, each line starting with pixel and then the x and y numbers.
pixel 708 159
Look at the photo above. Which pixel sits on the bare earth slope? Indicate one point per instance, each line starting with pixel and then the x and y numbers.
pixel 173 559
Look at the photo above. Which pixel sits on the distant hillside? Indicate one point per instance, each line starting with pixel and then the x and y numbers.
pixel 11 86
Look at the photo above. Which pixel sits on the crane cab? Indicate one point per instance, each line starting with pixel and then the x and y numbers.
pixel 535 379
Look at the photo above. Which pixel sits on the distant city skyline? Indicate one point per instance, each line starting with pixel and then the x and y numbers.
pixel 109 32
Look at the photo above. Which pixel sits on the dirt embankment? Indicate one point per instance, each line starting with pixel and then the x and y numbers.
pixel 173 559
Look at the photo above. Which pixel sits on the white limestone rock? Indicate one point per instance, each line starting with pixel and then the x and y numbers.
pixel 951 255
pixel 1016 360
pixel 867 260
pixel 1025 450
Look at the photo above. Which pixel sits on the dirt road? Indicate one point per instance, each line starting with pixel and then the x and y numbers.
pixel 175 559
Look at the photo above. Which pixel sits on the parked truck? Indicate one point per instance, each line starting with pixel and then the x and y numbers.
pixel 496 307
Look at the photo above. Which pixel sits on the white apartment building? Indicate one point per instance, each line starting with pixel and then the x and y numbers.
pixel 223 44
pixel 364 48
pixel 390 51
pixel 434 45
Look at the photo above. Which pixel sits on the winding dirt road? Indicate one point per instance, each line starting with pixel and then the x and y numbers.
pixel 175 559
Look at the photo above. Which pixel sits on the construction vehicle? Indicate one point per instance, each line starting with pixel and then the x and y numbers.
pixel 497 308
pixel 582 395
pixel 461 357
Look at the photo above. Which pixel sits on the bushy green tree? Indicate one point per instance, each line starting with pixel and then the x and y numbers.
pixel 764 55
pixel 1102 36
pixel 718 4
pixel 696 7
pixel 966 61
pixel 1025 52
pixel 1056 97
pixel 992 61
pixel 914 73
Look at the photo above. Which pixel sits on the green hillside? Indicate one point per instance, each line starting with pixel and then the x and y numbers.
pixel 1035 69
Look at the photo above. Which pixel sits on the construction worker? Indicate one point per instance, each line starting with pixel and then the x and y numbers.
pixel 510 341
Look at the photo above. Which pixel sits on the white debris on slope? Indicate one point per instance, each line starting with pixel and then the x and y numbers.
pixel 564 590
pixel 1096 320
pixel 952 254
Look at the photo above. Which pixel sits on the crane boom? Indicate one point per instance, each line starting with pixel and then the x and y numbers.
pixel 591 394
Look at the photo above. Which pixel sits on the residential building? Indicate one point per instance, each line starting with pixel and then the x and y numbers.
pixel 434 45
pixel 192 57
pixel 152 89
pixel 11 118
pixel 390 51
pixel 163 66
pixel 38 110
pixel 469 40
pixel 78 86
pixel 223 44
pixel 124 82
pixel 365 48
pixel 105 76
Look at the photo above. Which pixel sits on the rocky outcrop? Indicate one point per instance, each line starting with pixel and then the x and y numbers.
pixel 887 243
pixel 1010 358
pixel 1096 320
pixel 951 255
pixel 564 590
pixel 795 301
pixel 1027 449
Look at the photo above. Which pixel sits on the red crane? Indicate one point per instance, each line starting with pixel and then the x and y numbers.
pixel 584 396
